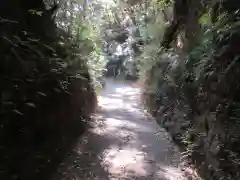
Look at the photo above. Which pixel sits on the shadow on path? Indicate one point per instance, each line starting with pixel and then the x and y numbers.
pixel 123 143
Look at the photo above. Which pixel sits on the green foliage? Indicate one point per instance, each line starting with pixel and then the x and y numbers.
pixel 205 19
pixel 85 33
pixel 203 78
pixel 38 65
pixel 51 65
pixel 35 12
pixel 197 60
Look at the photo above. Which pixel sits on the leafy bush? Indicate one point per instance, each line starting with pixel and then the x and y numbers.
pixel 46 91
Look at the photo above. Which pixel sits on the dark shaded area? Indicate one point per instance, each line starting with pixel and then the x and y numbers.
pixel 43 107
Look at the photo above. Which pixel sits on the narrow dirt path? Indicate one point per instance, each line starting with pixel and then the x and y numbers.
pixel 124 143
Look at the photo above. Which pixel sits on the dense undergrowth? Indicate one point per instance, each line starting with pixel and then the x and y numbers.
pixel 192 89
pixel 46 90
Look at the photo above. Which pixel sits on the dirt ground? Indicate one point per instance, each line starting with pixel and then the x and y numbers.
pixel 124 143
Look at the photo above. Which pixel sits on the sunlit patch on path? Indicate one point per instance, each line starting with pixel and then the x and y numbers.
pixel 124 143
